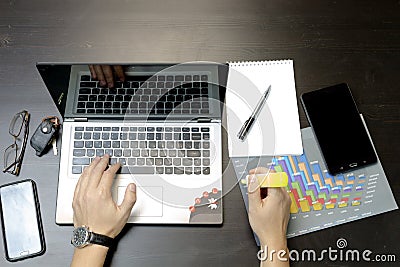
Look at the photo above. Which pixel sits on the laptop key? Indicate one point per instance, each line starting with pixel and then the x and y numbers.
pixel 99 152
pixel 90 152
pixel 131 161
pixel 136 170
pixel 196 136
pixel 193 153
pixel 188 170
pixel 83 98
pixel 87 135
pixel 97 144
pixel 88 84
pixel 140 161
pixel 78 144
pixel 96 136
pixel 178 170
pixel 197 170
pixel 88 144
pixel 85 78
pixel 78 135
pixel 116 144
pixel 109 152
pixel 169 170
pixel 206 144
pixel 114 136
pixel 79 152
pixel 159 161
pixel 118 153
pixel 76 169
pixel 81 161
pixel 187 162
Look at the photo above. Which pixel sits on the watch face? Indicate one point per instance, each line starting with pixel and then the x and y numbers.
pixel 80 237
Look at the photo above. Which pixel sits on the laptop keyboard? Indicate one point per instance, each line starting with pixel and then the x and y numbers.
pixel 158 94
pixel 145 150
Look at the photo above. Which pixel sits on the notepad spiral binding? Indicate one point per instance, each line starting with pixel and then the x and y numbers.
pixel 259 63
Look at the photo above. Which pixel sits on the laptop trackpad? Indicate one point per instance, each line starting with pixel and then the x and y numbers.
pixel 148 201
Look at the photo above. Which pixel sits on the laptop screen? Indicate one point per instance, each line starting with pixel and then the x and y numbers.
pixel 188 90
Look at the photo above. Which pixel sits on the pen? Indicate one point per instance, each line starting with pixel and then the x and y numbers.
pixel 250 121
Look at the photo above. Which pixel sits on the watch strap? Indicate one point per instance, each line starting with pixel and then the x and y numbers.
pixel 99 239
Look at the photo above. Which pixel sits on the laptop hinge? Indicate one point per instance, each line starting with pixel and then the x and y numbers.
pixel 80 119
pixel 203 119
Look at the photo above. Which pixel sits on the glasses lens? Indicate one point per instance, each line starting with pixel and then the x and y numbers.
pixel 16 124
pixel 10 156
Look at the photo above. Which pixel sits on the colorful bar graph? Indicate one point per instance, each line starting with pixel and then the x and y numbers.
pixel 317 205
pixel 311 188
pixel 304 205
pixel 293 206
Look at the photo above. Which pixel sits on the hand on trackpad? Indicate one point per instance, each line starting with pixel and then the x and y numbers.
pixel 148 201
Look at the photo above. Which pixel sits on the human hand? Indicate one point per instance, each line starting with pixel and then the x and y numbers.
pixel 268 217
pixel 93 204
pixel 105 74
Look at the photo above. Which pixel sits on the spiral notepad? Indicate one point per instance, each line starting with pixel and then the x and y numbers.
pixel 277 129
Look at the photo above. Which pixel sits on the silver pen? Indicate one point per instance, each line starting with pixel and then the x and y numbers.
pixel 250 121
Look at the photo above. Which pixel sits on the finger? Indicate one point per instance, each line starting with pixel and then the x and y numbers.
pixel 253 192
pixel 92 72
pixel 120 72
pixel 86 174
pixel 261 170
pixel 274 191
pixel 108 75
pixel 100 75
pixel 109 175
pixel 98 171
pixel 129 199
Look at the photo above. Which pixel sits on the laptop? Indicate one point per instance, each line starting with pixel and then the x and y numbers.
pixel 162 122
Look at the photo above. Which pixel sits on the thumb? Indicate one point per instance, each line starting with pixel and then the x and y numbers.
pixel 129 198
pixel 253 191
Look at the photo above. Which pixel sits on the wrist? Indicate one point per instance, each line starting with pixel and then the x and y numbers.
pixel 83 236
pixel 274 243
pixel 93 248
pixel 89 256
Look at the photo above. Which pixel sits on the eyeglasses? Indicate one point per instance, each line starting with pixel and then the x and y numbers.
pixel 13 155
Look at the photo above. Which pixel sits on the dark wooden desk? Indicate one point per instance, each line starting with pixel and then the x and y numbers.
pixel 330 41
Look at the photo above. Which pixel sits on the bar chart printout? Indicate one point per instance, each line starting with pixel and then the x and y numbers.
pixel 320 200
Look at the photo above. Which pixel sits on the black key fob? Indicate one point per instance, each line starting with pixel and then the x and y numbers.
pixel 43 137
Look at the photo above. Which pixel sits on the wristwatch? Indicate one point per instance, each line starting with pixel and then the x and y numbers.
pixel 82 236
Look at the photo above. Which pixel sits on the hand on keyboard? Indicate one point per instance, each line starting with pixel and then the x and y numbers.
pixel 105 74
pixel 93 204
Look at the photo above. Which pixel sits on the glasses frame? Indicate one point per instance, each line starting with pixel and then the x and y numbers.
pixel 16 165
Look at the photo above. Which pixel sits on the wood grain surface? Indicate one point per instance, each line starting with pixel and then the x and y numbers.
pixel 357 42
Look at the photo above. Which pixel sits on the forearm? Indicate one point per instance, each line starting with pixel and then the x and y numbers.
pixel 275 253
pixel 92 255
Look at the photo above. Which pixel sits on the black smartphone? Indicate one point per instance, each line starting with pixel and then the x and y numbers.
pixel 339 129
pixel 21 221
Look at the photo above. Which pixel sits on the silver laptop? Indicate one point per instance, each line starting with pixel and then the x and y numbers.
pixel 162 122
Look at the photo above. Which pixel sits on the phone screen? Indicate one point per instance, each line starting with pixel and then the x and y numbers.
pixel 22 231
pixel 338 127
